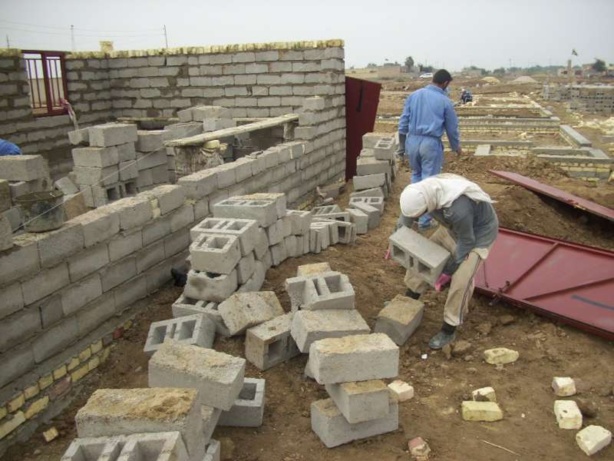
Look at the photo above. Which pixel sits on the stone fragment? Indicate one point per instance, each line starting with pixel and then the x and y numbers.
pixel 419 449
pixel 592 439
pixel 485 394
pixel 568 415
pixel 402 390
pixel 563 386
pixel 500 356
pixel 481 411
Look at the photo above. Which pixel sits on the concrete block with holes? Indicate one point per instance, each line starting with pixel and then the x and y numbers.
pixel 415 252
pixel 362 400
pixel 360 220
pixel 246 230
pixel 319 238
pixel 185 306
pixel 384 149
pixel 112 412
pixel 248 409
pixel 214 449
pixel 195 329
pixel 354 358
pixel 300 221
pixel 210 287
pixel 331 212
pixel 329 290
pixel 400 318
pixel 333 429
pixel 218 254
pixel 270 343
pixel 217 376
pixel 112 134
pixel 375 202
pixel 95 448
pixel 160 446
pixel 327 225
pixel 311 326
pixel 244 310
pixel 211 416
pixel 264 211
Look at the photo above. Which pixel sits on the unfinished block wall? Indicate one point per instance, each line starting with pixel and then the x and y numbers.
pixel 598 99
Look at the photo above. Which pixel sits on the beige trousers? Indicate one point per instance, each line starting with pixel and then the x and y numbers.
pixel 461 285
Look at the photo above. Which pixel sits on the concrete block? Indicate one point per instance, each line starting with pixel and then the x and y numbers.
pixel 110 412
pixel 150 140
pixel 568 415
pixel 213 452
pixel 66 185
pixel 44 282
pixel 484 394
pixel 98 225
pixel 117 273
pixel 244 310
pixel 6 234
pixel 275 232
pixel 373 213
pixel 361 401
pixel 218 377
pixel 128 170
pixel 23 167
pixel 79 137
pixel 246 230
pixel 88 261
pixel 301 220
pixel 592 439
pixel 94 449
pixel 311 326
pixel 133 212
pixel 217 254
pixel 415 252
pixel 263 211
pixel 270 343
pixel 112 134
pixel 169 197
pixel 564 386
pixel 79 294
pixel 481 411
pixel 354 358
pixel 329 290
pixel 332 428
pixel 210 416
pixel 374 192
pixel 94 176
pixel 278 197
pixel 5 196
pixel 360 220
pixel 185 306
pixel 127 243
pixel 12 299
pixel 401 390
pixel 150 160
pixel 248 409
pixel 400 319
pixel 307 270
pixel 126 152
pixel 161 446
pixel 384 149
pixel 375 202
pixel 202 113
pixel 256 281
pixel 370 165
pixel 482 150
pixel 195 330
pixel 215 124
pixel 500 356
pixel 369 181
pixel 55 339
pixel 246 268
pixel 331 212
pixel 262 244
pixel 95 157
pixel 210 287
pixel 199 184
pixel 327 225
pixel 14 216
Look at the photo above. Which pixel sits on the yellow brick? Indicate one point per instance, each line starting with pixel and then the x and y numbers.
pixel 16 403
pixel 74 363
pixel 85 354
pixel 36 407
pixel 59 373
pixel 3 412
pixel 92 364
pixel 32 391
pixel 127 324
pixel 96 347
pixel 45 381
pixel 9 426
pixel 105 354
pixel 79 373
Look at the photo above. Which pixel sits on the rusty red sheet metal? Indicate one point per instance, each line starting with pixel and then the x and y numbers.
pixel 558 194
pixel 572 283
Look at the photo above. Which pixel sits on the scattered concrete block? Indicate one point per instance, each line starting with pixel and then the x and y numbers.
pixel 370 181
pixel 329 225
pixel 482 150
pixel 415 252
pixel 373 192
pixel 373 213
pixel 481 411
pixel 270 343
pixel 110 412
pixel 275 232
pixel 332 428
pixel 374 202
pixel 361 401
pixel 256 281
pixel 319 238
pixel 244 310
pixel 248 409
pixel 162 446
pixel 217 254
pixel 311 326
pixel 401 390
pixel 210 287
pixel 354 358
pixel 23 168
pixel 329 290
pixel 568 415
pixel 95 449
pixel 564 387
pixel 360 219
pixel 185 306
pixel 217 376
pixel 400 318
pixel 196 330
pixel 112 134
pixel 300 220
pixel 592 439
pixel 211 416
pixel 246 230
pixel 263 211
pixel 484 394
pixel 308 270
pixel 419 449
pixel 500 356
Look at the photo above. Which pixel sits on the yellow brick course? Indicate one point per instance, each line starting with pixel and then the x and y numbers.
pixel 59 372
pixel 16 403
pixel 36 407
pixel 45 381
pixel 10 425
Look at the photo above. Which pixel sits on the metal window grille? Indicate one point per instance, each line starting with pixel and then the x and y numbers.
pixel 46 72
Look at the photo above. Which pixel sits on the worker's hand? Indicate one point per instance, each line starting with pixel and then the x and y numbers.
pixel 459 151
pixel 442 281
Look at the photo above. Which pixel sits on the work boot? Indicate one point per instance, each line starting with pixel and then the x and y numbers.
pixel 412 294
pixel 445 336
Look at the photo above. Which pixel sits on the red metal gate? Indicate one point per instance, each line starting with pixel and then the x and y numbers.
pixel 573 283
pixel 361 100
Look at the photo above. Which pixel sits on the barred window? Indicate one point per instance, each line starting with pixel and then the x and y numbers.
pixel 46 72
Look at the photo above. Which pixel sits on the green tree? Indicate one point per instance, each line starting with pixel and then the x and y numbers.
pixel 409 62
pixel 371 64
pixel 599 65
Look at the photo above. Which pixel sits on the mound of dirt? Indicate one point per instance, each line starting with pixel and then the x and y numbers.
pixel 524 79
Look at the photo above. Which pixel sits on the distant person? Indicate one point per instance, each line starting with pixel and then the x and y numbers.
pixel 8 148
pixel 426 114
pixel 469 229
pixel 466 96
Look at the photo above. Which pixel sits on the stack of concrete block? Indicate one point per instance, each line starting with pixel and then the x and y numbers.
pixel 352 369
pixel 213 118
pixel 154 166
pixel 337 223
pixel 376 166
pixel 323 306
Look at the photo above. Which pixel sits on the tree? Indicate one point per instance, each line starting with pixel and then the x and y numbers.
pixel 599 65
pixel 409 62
pixel 371 64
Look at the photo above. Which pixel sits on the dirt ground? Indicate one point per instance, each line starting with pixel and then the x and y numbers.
pixel 547 349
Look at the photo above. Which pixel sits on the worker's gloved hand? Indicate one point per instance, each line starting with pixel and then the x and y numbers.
pixel 401 149
pixel 442 281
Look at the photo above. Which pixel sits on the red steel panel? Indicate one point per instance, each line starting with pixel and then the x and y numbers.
pixel 361 100
pixel 558 194
pixel 571 282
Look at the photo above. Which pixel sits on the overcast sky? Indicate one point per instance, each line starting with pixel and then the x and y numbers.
pixel 441 33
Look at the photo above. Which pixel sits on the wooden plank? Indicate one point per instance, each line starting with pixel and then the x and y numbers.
pixel 227 132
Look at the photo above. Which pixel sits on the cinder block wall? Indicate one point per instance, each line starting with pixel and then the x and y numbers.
pixel 597 99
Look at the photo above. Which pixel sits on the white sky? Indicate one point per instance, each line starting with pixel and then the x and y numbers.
pixel 441 33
